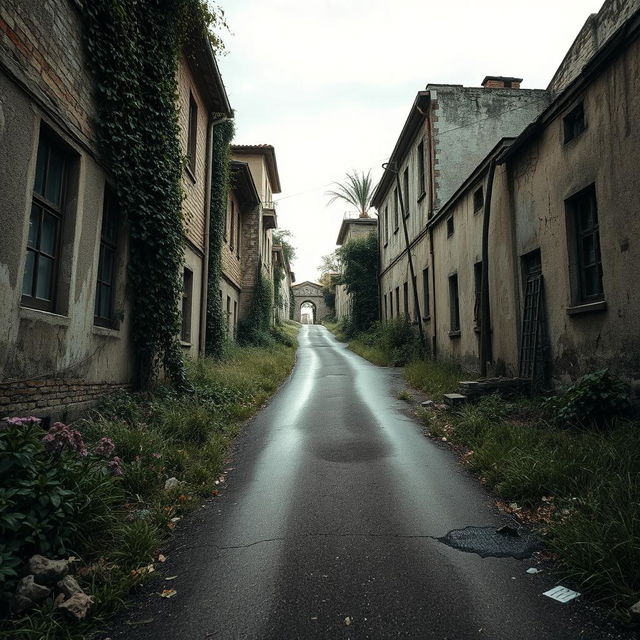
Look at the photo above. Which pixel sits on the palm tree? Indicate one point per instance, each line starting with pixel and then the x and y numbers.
pixel 356 189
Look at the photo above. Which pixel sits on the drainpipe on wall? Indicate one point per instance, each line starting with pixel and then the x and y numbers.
pixel 485 313
pixel 433 310
pixel 204 294
pixel 414 284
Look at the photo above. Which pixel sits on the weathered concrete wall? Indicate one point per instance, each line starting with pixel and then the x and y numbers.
pixel 469 122
pixel 457 254
pixel 605 155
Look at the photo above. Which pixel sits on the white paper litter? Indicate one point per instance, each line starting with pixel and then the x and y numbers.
pixel 533 571
pixel 561 594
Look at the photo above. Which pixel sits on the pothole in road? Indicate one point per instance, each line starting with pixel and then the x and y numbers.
pixel 487 542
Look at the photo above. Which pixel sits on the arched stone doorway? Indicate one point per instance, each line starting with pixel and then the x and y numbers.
pixel 310 293
pixel 308 312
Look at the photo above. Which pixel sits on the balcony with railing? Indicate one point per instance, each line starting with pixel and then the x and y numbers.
pixel 269 215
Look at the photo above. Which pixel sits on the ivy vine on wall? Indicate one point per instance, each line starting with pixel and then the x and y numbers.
pixel 133 48
pixel 220 181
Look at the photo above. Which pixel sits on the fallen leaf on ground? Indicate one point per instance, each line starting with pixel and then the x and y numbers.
pixel 347 621
pixel 168 593
pixel 161 558
pixel 171 578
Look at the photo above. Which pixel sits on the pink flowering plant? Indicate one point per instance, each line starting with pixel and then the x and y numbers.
pixel 53 489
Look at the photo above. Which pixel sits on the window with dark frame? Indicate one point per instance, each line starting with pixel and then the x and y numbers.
pixel 235 317
pixel 584 221
pixel 416 314
pixel 421 180
pixel 395 210
pixel 574 123
pixel 405 181
pixel 232 231
pixel 238 232
pixel 425 292
pixel 187 298
pixel 450 226
pixel 386 311
pixel 228 312
pixel 397 302
pixel 105 285
pixel 45 226
pixel 478 199
pixel 454 304
pixel 405 293
pixel 477 281
pixel 386 223
pixel 391 304
pixel 192 141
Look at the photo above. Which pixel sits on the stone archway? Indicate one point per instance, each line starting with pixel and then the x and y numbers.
pixel 310 293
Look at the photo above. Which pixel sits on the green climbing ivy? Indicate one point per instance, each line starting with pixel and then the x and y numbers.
pixel 255 329
pixel 133 48
pixel 220 182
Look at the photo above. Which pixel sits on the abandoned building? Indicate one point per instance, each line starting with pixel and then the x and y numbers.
pixel 64 309
pixel 552 190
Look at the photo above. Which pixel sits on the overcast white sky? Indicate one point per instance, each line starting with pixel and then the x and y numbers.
pixel 330 82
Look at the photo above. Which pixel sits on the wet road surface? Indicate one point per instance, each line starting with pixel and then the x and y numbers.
pixel 329 528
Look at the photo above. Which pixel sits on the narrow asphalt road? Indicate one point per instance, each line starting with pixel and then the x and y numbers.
pixel 329 528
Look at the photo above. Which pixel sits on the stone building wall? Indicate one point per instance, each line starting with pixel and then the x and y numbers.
pixel 45 90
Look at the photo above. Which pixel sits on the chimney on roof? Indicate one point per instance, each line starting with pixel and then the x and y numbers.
pixel 501 82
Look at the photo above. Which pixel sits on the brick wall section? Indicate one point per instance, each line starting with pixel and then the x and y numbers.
pixel 231 263
pixel 42 43
pixel 51 394
pixel 251 247
pixel 597 29
pixel 194 186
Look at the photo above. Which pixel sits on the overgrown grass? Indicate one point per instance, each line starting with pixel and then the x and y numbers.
pixel 389 344
pixel 159 436
pixel 582 487
pixel 433 377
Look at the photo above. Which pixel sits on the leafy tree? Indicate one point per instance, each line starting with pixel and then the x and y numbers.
pixel 284 237
pixel 329 264
pixel 356 189
pixel 359 259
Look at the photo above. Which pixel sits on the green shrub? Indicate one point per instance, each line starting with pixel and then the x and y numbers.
pixel 594 399
pixel 50 485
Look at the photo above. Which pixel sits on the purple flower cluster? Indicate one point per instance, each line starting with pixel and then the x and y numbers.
pixel 61 436
pixel 115 466
pixel 21 422
pixel 104 448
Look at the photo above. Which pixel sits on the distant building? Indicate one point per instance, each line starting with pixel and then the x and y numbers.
pixel 254 228
pixel 449 129
pixel 283 279
pixel 353 226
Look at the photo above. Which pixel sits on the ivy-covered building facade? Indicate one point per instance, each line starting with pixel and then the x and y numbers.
pixel 71 320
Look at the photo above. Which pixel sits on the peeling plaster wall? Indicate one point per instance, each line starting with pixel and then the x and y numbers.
pixel 606 154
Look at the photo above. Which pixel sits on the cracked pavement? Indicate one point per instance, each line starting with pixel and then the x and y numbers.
pixel 330 525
